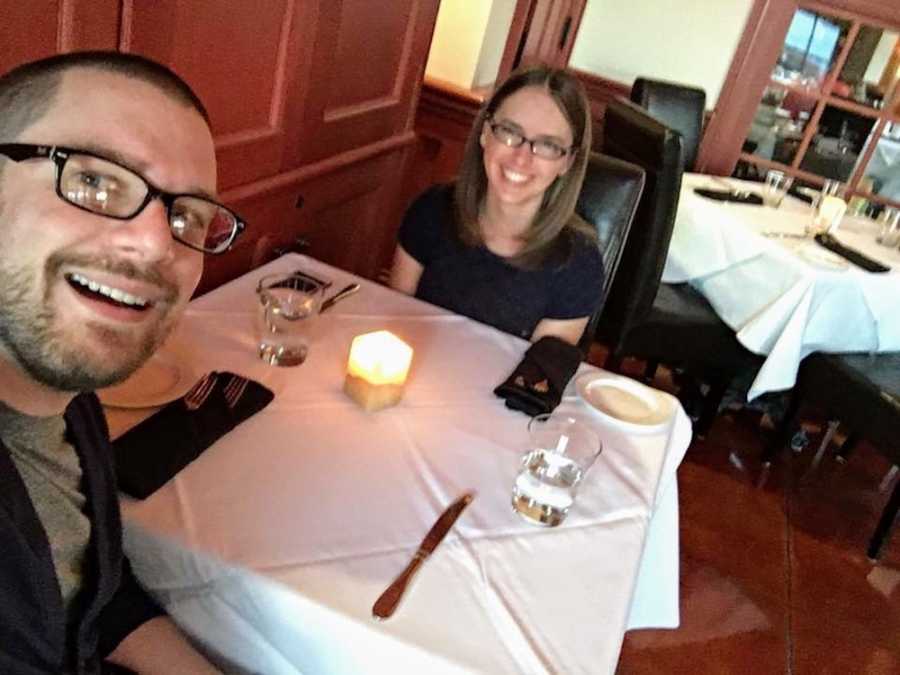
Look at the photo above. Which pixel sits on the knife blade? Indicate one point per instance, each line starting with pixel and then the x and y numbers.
pixel 337 297
pixel 387 602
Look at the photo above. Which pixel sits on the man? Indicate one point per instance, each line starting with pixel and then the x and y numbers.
pixel 107 171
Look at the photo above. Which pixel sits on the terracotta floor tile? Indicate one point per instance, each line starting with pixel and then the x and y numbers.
pixel 819 650
pixel 774 576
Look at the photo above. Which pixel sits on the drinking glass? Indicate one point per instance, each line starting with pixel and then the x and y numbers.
pixel 890 227
pixel 828 209
pixel 287 307
pixel 776 188
pixel 561 450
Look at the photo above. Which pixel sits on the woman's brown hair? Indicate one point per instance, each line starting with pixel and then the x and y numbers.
pixel 557 210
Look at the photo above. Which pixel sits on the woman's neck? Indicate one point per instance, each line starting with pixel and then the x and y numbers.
pixel 503 227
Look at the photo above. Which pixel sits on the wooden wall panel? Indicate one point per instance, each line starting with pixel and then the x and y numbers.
pixel 243 59
pixel 38 28
pixel 366 88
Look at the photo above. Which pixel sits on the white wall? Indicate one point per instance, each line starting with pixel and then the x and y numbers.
pixel 880 57
pixel 688 41
pixel 458 37
pixel 494 41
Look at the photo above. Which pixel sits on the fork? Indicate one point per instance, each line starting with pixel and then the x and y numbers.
pixel 234 390
pixel 197 395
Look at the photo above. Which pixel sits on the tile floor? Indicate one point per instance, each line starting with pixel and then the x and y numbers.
pixel 775 578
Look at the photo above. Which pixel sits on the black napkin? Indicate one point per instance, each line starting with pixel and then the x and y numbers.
pixel 851 254
pixel 729 196
pixel 536 385
pixel 794 191
pixel 152 452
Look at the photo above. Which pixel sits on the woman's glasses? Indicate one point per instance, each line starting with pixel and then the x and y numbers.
pixel 540 147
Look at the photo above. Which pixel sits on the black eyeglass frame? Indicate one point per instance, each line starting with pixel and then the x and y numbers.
pixel 493 124
pixel 59 155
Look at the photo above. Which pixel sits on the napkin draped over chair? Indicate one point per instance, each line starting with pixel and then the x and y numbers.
pixel 151 453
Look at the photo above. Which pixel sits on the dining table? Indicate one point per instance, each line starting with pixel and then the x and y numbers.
pixel 270 548
pixel 783 294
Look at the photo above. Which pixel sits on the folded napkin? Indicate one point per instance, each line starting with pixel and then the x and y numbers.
pixel 851 254
pixel 730 196
pixel 801 194
pixel 152 452
pixel 536 385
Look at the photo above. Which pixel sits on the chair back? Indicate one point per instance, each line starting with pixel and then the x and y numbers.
pixel 677 106
pixel 608 200
pixel 631 134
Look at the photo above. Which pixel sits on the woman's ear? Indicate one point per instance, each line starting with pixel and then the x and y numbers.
pixel 482 138
pixel 570 160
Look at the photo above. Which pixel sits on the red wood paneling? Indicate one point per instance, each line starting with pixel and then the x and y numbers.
pixel 38 28
pixel 366 87
pixel 241 57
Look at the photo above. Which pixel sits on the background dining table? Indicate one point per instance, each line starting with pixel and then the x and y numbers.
pixel 783 294
pixel 272 546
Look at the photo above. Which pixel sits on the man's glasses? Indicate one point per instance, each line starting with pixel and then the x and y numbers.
pixel 107 188
pixel 511 138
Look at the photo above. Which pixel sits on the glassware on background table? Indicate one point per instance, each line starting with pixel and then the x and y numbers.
pixel 561 450
pixel 776 187
pixel 828 210
pixel 287 307
pixel 889 219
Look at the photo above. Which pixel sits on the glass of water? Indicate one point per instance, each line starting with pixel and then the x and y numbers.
pixel 890 227
pixel 776 188
pixel 561 450
pixel 286 309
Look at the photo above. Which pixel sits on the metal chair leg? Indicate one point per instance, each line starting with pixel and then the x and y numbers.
pixel 847 447
pixel 826 441
pixel 782 434
pixel 710 408
pixel 885 522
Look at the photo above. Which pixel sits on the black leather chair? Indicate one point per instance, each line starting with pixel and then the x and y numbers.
pixel 677 106
pixel 863 392
pixel 642 317
pixel 608 200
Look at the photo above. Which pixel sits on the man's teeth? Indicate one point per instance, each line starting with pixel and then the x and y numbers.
pixel 114 293
pixel 514 176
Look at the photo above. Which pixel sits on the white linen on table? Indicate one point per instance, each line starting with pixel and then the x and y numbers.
pixel 300 517
pixel 778 304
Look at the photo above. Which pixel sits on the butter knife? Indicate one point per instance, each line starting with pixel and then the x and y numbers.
pixel 337 297
pixel 386 604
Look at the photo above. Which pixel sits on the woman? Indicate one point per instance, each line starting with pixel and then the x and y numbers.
pixel 504 245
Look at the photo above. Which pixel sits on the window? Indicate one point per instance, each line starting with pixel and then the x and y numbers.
pixel 831 109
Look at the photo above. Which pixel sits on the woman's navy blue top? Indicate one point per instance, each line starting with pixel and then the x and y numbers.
pixel 474 282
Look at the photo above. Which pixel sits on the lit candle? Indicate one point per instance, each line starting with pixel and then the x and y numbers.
pixel 377 369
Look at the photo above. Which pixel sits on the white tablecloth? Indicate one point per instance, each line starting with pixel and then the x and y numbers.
pixel 271 547
pixel 780 302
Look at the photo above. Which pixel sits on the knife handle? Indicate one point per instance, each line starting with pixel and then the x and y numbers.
pixel 387 602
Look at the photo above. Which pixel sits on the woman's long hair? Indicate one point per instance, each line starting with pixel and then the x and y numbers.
pixel 557 210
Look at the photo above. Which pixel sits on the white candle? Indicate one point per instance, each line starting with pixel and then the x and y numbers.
pixel 377 369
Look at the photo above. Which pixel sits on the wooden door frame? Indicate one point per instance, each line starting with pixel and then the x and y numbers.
pixel 751 68
pixel 539 24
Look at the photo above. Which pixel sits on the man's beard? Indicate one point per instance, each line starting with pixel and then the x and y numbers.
pixel 31 331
